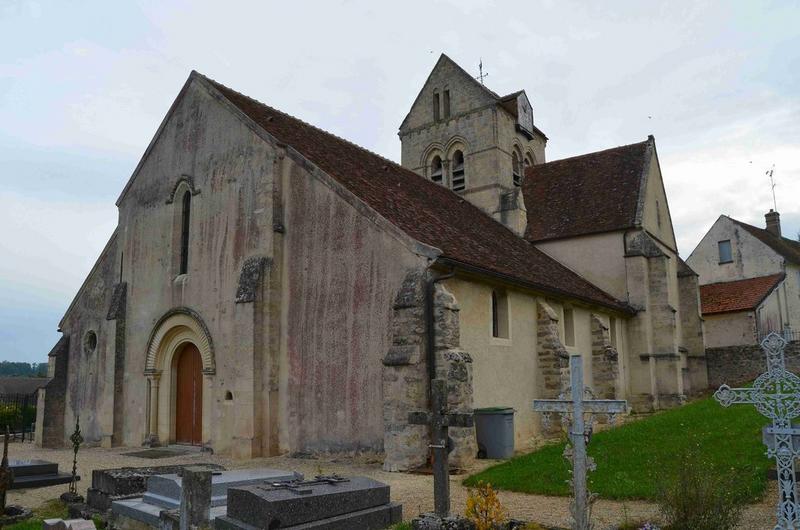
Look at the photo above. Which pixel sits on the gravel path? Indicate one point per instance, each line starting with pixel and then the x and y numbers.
pixel 415 492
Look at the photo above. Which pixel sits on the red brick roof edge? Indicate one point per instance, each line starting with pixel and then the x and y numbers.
pixel 737 295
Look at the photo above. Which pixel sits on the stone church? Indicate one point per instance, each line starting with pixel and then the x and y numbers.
pixel 272 288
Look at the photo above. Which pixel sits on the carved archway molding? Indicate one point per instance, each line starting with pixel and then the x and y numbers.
pixel 174 329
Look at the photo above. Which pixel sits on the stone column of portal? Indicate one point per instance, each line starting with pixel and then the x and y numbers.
pixel 152 436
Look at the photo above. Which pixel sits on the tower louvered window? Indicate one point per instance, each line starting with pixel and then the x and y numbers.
pixel 459 179
pixel 436 170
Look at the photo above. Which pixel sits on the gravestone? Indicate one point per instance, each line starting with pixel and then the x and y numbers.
pixel 195 498
pixel 35 473
pixel 68 524
pixel 164 493
pixel 324 503
pixel 776 395
pixel 580 430
pixel 109 485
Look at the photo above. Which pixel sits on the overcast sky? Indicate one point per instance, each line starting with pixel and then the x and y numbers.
pixel 84 85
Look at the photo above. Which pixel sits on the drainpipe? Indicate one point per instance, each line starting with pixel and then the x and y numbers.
pixel 430 322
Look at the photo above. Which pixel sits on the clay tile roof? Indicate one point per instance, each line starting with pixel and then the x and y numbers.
pixel 587 194
pixel 426 211
pixel 21 385
pixel 739 295
pixel 787 248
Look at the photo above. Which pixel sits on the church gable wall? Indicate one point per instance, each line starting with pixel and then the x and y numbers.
pixel 342 271
pixel 205 149
pixel 91 353
pixel 656 218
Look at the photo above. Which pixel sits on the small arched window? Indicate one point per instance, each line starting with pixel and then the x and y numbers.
pixel 516 169
pixel 528 161
pixel 185 217
pixel 459 180
pixel 435 105
pixel 436 170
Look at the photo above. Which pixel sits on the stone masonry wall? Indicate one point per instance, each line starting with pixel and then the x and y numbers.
pixel 454 366
pixel 553 376
pixel 736 365
pixel 605 361
pixel 405 377
pixel 52 399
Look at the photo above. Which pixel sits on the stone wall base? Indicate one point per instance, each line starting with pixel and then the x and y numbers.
pixel 736 365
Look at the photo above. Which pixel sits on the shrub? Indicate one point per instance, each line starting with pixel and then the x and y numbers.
pixel 10 415
pixel 484 508
pixel 697 495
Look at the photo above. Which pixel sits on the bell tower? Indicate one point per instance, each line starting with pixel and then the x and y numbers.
pixel 465 137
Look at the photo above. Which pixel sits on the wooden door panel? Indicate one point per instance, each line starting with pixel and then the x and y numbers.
pixel 189 397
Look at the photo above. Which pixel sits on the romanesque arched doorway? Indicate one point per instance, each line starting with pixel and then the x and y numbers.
pixel 189 396
pixel 180 369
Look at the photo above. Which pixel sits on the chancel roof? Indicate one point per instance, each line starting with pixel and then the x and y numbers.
pixel 427 212
pixel 587 194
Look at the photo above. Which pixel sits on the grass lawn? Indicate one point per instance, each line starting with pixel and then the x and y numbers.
pixel 54 509
pixel 631 458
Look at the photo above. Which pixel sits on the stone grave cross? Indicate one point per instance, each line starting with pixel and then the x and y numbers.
pixel 439 420
pixel 579 432
pixel 776 395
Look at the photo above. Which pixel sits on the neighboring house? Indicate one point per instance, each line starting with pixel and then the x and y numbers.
pixel 265 289
pixel 750 281
pixel 736 311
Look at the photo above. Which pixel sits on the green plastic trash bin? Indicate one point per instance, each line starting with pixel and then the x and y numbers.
pixel 494 429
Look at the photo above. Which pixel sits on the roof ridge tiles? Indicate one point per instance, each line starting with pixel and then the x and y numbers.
pixel 585 155
pixel 308 124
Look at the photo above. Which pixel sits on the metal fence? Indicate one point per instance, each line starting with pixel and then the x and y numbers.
pixel 18 413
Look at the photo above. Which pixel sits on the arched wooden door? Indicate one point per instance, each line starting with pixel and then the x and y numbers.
pixel 189 396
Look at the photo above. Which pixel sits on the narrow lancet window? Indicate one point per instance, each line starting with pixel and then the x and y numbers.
pixel 435 106
pixel 516 170
pixel 185 216
pixel 446 103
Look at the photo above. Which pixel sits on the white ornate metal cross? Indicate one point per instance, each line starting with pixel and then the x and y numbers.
pixel 580 431
pixel 776 395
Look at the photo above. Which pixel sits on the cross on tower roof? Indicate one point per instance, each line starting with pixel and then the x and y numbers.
pixel 481 75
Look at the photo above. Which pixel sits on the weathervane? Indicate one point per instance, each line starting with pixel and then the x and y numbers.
pixel 481 75
pixel 769 173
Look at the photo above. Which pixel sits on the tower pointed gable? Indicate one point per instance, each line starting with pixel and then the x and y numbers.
pixel 464 87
